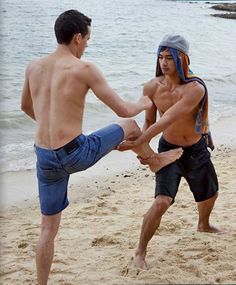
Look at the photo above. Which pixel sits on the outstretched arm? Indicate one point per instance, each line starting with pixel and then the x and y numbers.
pixel 97 82
pixel 182 107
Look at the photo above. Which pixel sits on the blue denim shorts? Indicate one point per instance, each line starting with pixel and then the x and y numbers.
pixel 55 166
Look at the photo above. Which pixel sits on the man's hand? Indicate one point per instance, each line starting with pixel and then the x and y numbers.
pixel 130 144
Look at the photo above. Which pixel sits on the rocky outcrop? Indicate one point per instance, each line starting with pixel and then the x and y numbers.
pixel 226 15
pixel 229 7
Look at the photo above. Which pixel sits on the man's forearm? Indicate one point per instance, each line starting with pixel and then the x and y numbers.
pixel 142 104
pixel 151 132
pixel 133 109
pixel 147 124
pixel 154 130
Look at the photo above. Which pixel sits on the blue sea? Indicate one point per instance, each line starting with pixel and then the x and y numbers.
pixel 123 44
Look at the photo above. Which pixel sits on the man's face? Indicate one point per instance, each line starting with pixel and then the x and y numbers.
pixel 167 63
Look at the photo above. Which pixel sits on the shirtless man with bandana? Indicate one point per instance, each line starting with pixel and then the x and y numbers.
pixel 181 100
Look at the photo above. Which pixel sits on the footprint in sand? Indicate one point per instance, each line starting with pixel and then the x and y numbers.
pixel 130 269
pixel 101 204
pixel 104 241
pixel 22 245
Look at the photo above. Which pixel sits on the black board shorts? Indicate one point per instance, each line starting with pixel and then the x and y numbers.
pixel 194 165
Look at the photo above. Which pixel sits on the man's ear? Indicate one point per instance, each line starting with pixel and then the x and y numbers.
pixel 78 38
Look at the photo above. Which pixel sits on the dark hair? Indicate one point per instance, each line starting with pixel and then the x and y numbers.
pixel 68 24
pixel 163 48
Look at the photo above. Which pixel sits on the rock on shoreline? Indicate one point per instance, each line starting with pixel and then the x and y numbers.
pixel 225 16
pixel 229 7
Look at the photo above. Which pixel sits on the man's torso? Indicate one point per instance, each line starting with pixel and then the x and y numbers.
pixel 58 89
pixel 182 131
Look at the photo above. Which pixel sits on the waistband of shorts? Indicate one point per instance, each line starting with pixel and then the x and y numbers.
pixel 162 140
pixel 67 148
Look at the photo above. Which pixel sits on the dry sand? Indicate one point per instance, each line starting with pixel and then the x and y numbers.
pixel 100 230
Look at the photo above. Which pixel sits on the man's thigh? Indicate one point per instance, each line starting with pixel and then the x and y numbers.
pixel 203 182
pixel 93 147
pixel 106 139
pixel 52 182
pixel 167 181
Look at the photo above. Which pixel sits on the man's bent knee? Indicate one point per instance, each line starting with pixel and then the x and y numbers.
pixel 130 127
pixel 162 203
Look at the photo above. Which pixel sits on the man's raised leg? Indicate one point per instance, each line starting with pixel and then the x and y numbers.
pixel 155 160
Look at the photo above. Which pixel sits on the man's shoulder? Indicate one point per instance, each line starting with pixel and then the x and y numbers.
pixel 194 85
pixel 84 65
pixel 154 82
pixel 33 63
pixel 90 70
pixel 194 91
pixel 151 87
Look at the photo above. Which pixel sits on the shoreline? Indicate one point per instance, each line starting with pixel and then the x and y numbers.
pixel 13 194
pixel 20 187
pixel 225 7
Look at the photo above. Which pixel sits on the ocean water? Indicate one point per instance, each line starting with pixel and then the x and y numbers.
pixel 123 44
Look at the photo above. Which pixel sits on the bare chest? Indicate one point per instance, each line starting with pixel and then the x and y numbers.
pixel 165 99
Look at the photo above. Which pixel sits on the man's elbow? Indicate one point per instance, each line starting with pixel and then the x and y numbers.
pixel 24 108
pixel 125 114
pixel 27 109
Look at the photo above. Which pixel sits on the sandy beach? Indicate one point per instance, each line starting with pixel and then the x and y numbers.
pixel 100 228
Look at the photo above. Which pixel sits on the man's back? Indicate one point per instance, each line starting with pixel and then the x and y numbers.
pixel 58 89
pixel 55 86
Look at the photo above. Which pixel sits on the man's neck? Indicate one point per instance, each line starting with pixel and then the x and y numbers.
pixel 65 50
pixel 171 81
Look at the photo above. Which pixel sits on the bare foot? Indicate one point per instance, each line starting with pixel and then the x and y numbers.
pixel 164 158
pixel 139 262
pixel 210 229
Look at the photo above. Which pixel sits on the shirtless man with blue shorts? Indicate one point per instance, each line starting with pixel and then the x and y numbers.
pixel 54 95
pixel 182 102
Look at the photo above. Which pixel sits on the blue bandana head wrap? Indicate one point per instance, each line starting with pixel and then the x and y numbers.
pixel 178 62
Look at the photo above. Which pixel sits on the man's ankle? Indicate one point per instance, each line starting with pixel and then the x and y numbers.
pixel 140 252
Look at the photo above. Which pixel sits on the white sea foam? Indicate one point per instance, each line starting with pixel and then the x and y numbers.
pixel 15 157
